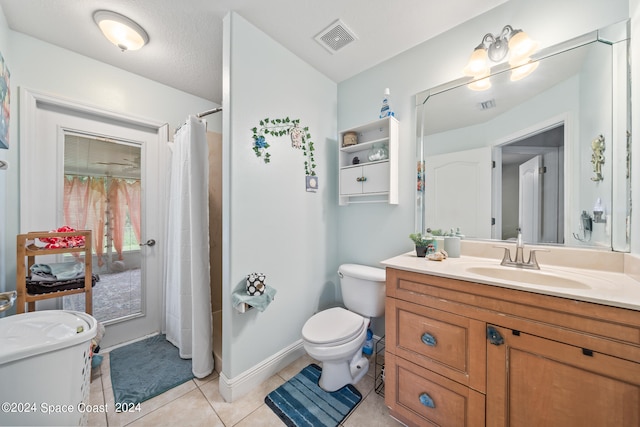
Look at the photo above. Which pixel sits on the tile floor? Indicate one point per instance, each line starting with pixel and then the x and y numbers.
pixel 198 403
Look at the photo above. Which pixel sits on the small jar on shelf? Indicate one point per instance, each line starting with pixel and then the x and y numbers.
pixel 378 152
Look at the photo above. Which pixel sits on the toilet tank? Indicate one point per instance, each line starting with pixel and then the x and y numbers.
pixel 363 289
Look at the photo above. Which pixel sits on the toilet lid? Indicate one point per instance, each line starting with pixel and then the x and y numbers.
pixel 333 326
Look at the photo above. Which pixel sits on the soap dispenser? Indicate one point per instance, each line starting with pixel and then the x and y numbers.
pixel 385 110
pixel 598 212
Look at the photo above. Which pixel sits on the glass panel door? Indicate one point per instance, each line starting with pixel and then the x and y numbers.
pixel 102 193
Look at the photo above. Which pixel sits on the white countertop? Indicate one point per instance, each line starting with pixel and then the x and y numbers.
pixel 601 287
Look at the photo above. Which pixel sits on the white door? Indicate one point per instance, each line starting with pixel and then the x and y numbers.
pixel 463 177
pixel 530 195
pixel 45 124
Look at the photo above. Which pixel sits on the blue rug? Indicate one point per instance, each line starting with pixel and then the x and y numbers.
pixel 301 402
pixel 147 368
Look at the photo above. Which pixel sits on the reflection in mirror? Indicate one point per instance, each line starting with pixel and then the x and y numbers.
pixel 519 154
pixel 529 202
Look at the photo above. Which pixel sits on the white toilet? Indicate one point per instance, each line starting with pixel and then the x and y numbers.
pixel 335 336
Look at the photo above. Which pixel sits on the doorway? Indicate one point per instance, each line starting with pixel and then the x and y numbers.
pixel 51 129
pixel 531 186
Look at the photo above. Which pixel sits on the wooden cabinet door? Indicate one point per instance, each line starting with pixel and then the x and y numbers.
pixel 532 381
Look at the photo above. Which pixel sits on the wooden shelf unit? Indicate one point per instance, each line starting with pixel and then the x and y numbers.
pixel 26 248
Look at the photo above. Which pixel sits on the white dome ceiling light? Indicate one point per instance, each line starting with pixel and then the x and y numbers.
pixel 120 30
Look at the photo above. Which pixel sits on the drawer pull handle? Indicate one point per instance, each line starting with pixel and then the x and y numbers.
pixel 494 336
pixel 361 179
pixel 429 339
pixel 427 401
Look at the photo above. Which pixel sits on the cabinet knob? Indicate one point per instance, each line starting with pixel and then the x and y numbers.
pixel 494 336
pixel 427 401
pixel 429 339
pixel 361 179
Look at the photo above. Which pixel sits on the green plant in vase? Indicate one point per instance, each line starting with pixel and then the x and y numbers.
pixel 422 242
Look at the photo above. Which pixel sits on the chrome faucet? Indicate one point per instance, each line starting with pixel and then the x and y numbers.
pixel 7 299
pixel 519 262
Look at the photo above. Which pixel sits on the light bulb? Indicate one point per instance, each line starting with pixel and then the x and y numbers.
pixel 478 63
pixel 521 47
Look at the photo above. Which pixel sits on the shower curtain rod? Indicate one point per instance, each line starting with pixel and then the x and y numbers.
pixel 206 113
pixel 200 115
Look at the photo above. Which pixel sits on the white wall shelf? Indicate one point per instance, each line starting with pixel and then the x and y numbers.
pixel 370 181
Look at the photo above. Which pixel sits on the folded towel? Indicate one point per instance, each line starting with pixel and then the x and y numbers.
pixel 57 271
pixel 258 301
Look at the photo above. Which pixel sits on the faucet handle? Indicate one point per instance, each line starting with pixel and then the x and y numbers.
pixel 506 257
pixel 532 257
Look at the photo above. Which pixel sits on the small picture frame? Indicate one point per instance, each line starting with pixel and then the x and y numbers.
pixel 312 183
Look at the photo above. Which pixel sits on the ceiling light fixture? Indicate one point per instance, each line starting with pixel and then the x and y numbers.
pixel 494 48
pixel 120 30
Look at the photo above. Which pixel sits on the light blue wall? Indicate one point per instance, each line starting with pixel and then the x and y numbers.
pixel 272 224
pixel 371 233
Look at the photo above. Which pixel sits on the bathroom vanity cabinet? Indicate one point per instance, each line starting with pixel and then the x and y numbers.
pixel 369 168
pixel 460 353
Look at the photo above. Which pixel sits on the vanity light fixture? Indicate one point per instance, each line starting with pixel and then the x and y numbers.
pixel 494 48
pixel 120 30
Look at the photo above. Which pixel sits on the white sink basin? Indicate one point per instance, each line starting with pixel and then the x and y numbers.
pixel 533 277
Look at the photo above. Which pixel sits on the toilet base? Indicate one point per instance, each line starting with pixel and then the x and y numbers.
pixel 337 374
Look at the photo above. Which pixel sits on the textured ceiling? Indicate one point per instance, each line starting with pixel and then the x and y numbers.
pixel 185 49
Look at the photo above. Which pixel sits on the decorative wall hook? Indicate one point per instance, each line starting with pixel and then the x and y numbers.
pixel 597 158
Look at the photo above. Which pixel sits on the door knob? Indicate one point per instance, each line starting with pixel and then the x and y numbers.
pixel 149 242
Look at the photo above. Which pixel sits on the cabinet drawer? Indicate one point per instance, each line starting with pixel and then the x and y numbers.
pixel 451 345
pixel 421 397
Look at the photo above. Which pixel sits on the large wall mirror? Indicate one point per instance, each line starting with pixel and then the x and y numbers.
pixel 548 153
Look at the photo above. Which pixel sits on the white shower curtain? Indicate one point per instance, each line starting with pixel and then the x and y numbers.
pixel 188 319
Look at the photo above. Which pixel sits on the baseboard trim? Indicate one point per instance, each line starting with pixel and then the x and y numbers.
pixel 236 387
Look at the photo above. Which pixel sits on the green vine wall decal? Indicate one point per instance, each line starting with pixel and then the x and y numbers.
pixel 300 138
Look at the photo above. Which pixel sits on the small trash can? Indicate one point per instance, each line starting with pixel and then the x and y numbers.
pixel 45 368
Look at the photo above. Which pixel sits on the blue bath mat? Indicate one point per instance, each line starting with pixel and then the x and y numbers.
pixel 301 402
pixel 147 368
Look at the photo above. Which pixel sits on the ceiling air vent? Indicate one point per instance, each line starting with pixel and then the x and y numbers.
pixel 335 36
pixel 486 105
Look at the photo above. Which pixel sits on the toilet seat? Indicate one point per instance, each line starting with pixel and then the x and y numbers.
pixel 333 326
